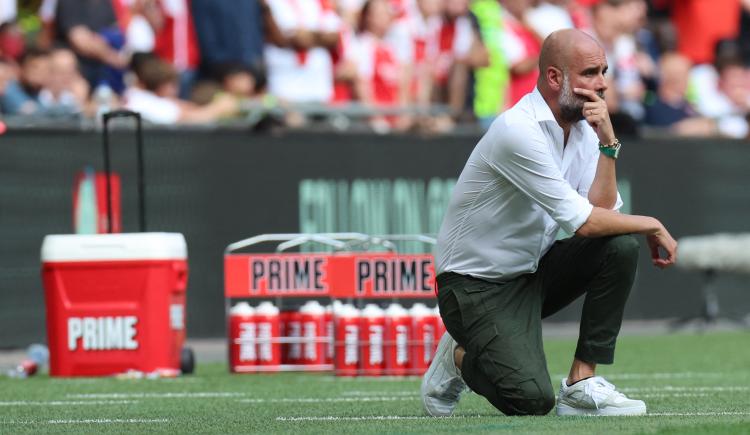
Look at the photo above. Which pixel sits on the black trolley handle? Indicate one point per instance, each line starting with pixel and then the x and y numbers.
pixel 106 117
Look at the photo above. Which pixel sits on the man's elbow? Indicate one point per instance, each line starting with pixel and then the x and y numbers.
pixel 607 203
pixel 585 230
pixel 592 227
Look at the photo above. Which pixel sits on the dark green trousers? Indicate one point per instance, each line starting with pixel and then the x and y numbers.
pixel 500 324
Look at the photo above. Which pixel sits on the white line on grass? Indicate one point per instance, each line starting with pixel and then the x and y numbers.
pixel 154 395
pixel 668 375
pixel 422 417
pixel 696 414
pixel 328 399
pixel 373 417
pixel 672 388
pixel 378 379
pixel 109 421
pixel 91 421
pixel 668 390
pixel 663 395
pixel 65 402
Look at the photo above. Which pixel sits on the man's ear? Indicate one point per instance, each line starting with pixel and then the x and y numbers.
pixel 554 77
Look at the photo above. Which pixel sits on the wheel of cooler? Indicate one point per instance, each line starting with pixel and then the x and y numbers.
pixel 351 339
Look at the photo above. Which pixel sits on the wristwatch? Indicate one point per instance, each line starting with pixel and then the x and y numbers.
pixel 612 150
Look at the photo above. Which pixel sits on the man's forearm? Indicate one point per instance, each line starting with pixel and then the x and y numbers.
pixel 603 191
pixel 605 222
pixel 92 45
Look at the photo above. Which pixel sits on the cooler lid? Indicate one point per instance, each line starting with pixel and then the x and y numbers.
pixel 121 246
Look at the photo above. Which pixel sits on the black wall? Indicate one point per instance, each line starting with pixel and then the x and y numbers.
pixel 220 186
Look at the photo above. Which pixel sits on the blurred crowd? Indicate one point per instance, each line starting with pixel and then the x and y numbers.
pixel 679 66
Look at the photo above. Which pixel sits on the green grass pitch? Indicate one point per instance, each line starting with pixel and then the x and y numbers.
pixel 692 384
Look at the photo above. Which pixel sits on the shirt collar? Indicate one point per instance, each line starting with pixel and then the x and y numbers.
pixel 543 113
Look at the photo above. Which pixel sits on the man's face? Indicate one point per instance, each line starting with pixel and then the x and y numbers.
pixel 586 70
pixel 35 72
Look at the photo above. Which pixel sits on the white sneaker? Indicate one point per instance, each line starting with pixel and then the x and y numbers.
pixel 442 384
pixel 595 396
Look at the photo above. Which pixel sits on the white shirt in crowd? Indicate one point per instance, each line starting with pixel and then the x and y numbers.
pixel 519 186
pixel 296 77
pixel 8 10
pixel 153 108
pixel 712 103
pixel 547 18
pixel 414 27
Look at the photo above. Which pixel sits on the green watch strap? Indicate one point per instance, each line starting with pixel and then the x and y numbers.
pixel 610 152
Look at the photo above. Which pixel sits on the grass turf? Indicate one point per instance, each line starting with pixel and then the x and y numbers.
pixel 693 384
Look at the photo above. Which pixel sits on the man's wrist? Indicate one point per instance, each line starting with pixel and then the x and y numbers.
pixel 611 150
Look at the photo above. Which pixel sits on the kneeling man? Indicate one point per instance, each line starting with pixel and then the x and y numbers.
pixel 545 164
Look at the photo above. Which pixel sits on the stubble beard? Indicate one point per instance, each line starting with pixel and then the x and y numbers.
pixel 571 105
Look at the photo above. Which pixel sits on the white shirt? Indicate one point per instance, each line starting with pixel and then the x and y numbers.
pixel 152 107
pixel 712 103
pixel 546 18
pixel 308 78
pixel 8 10
pixel 519 186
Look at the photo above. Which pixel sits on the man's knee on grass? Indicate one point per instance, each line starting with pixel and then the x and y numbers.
pixel 527 398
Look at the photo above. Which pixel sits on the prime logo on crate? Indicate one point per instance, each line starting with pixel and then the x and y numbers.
pixel 339 275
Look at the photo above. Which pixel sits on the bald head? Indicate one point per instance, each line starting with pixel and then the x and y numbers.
pixel 562 46
pixel 570 59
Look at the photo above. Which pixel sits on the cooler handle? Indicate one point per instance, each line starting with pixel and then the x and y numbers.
pixel 139 150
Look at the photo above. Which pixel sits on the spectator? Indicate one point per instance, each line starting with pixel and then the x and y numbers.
pixel 743 39
pixel 301 69
pixel 460 51
pixel 414 36
pixel 670 108
pixel 722 91
pixel 548 16
pixel 490 82
pixel 176 40
pixel 522 47
pixel 7 80
pixel 8 11
pixel 379 79
pixel 345 55
pixel 154 95
pixel 12 43
pixel 134 18
pixel 66 91
pixel 46 36
pixel 22 97
pixel 90 29
pixel 625 89
pixel 233 31
pixel 239 81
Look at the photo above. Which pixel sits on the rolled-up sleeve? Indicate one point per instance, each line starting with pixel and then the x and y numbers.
pixel 588 178
pixel 521 154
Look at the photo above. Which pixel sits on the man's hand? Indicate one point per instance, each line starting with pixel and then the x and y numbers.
pixel 662 239
pixel 597 115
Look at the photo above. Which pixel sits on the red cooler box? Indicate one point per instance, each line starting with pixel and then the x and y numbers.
pixel 115 302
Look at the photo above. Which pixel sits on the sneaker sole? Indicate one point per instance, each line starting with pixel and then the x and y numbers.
pixel 566 410
pixel 443 347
